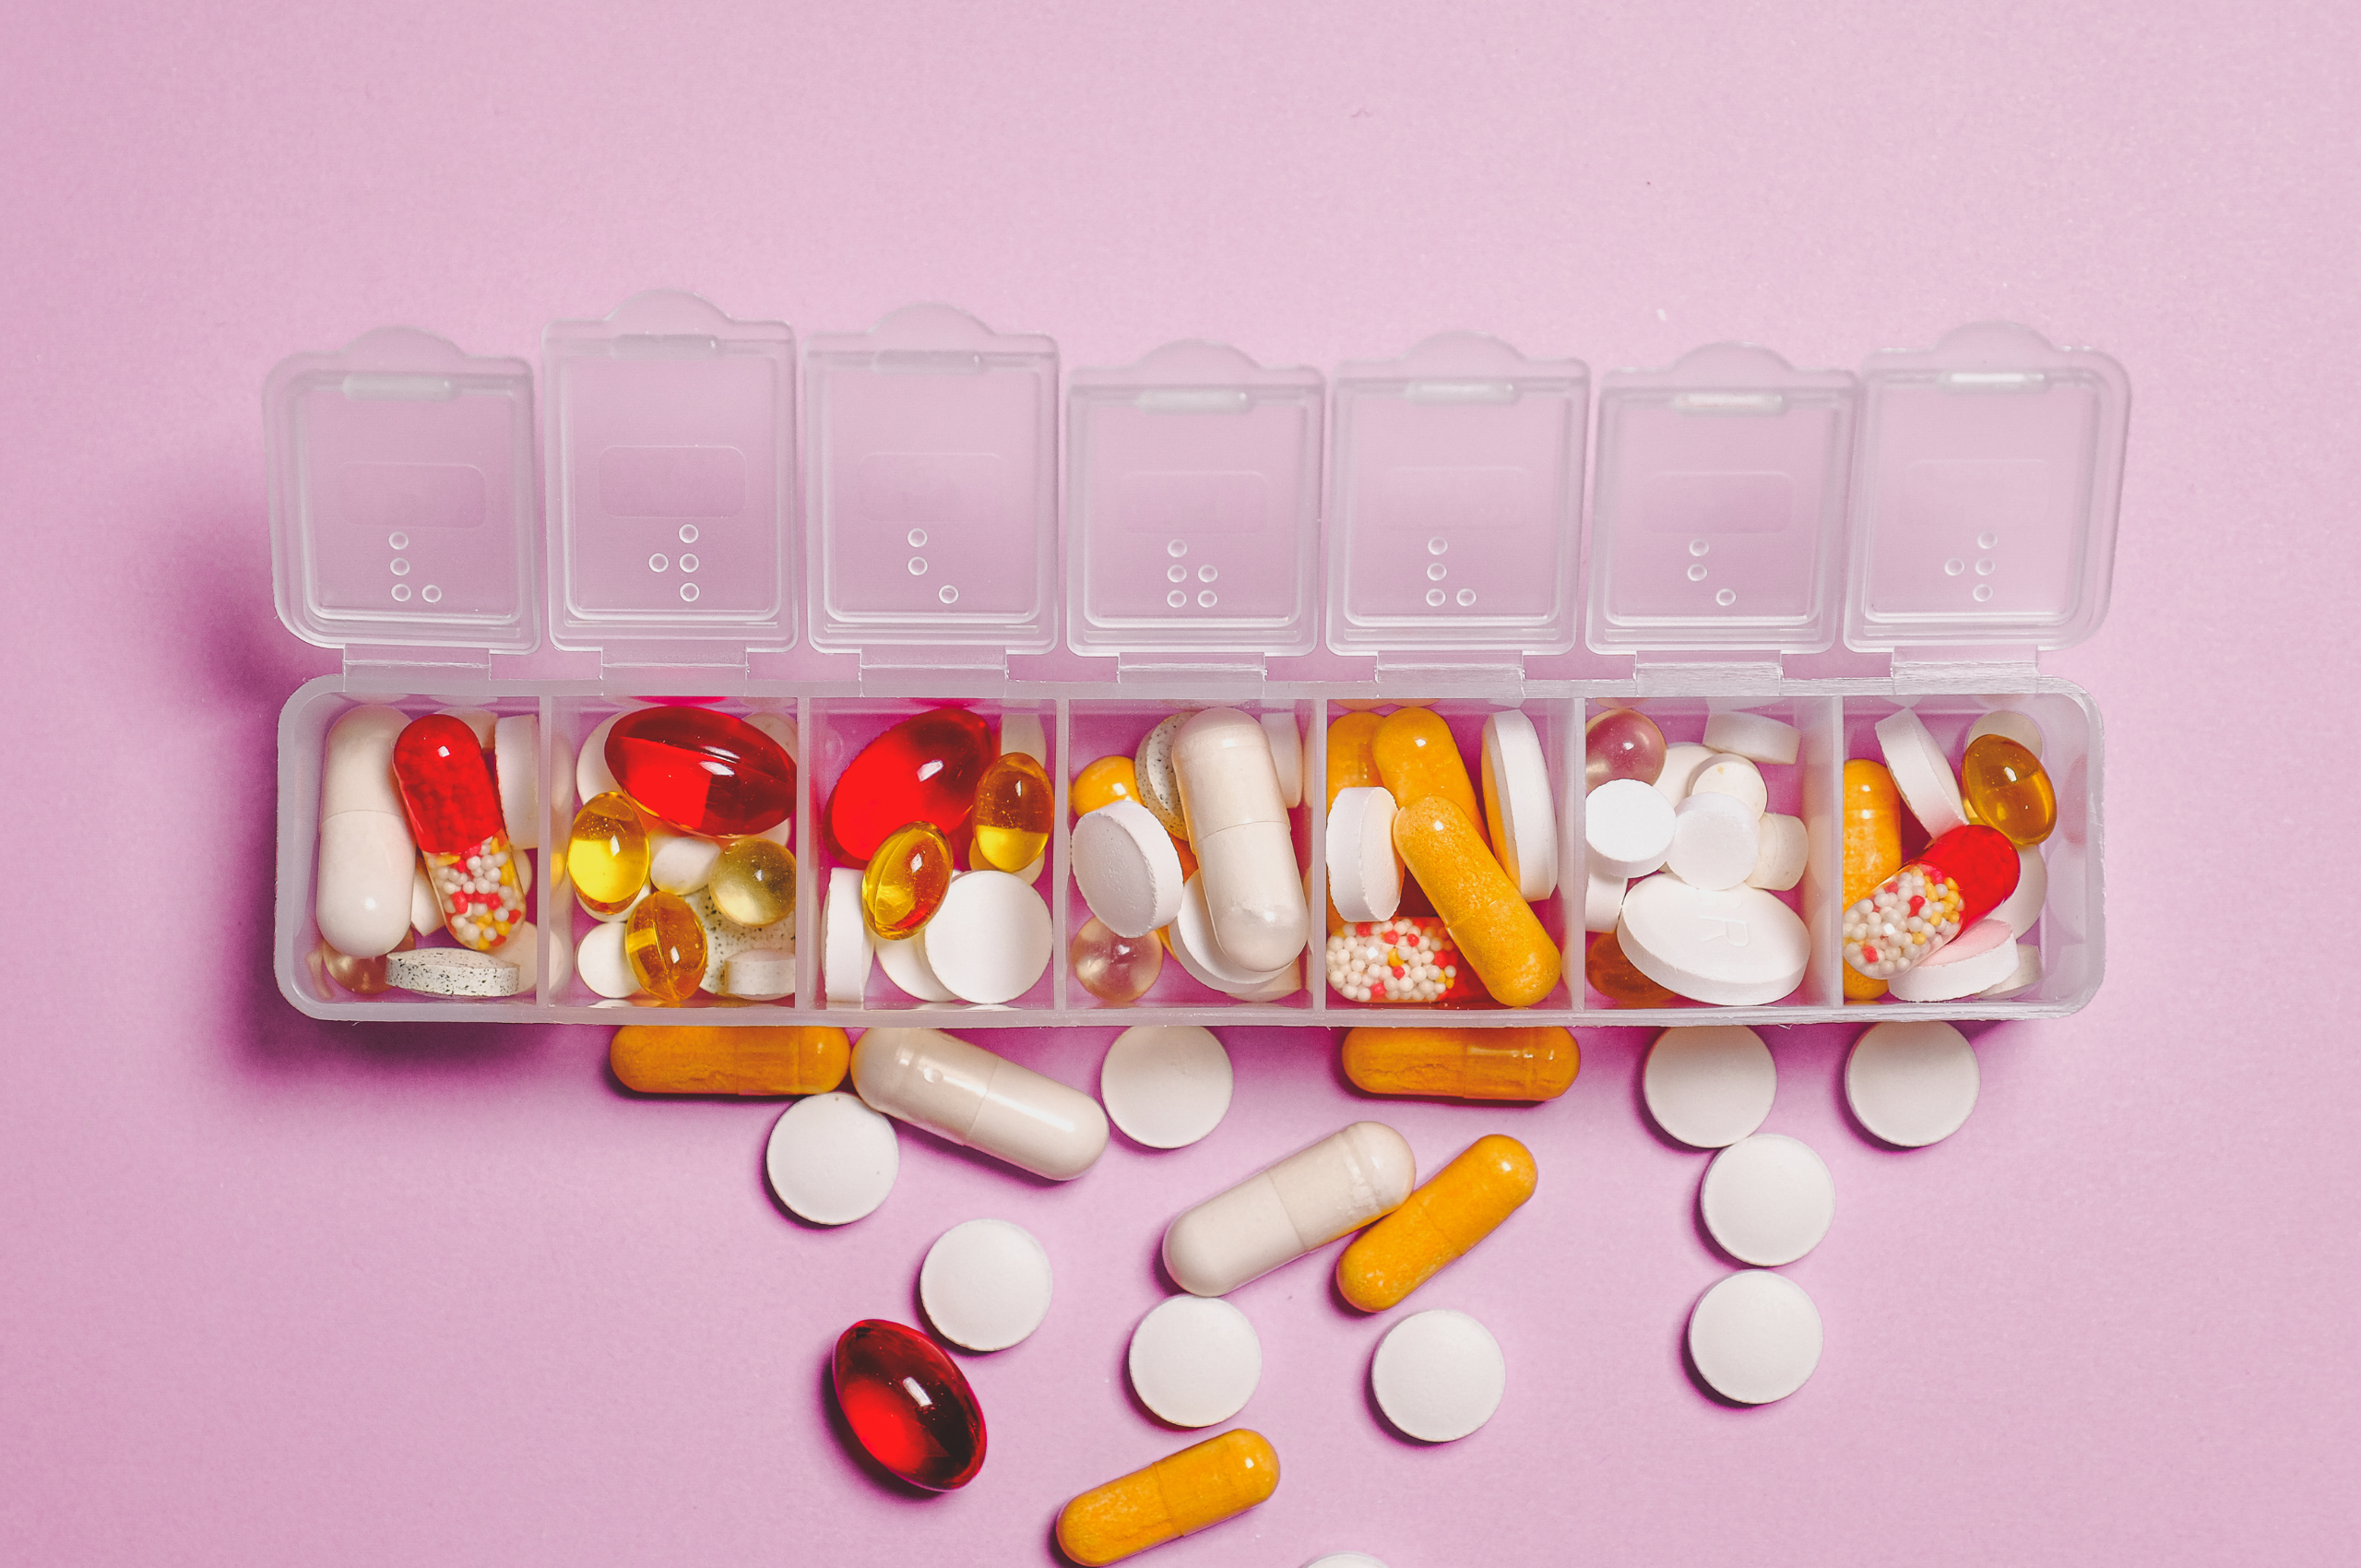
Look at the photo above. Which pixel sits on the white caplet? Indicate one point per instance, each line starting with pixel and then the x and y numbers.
pixel 1734 777
pixel 1021 734
pixel 1910 1084
pixel 1715 842
pixel 1976 960
pixel 1277 1214
pixel 1364 879
pixel 1194 1361
pixel 979 1100
pixel 599 959
pixel 1628 825
pixel 845 946
pixel 1516 789
pixel 680 863
pixel 1683 760
pixel 1126 868
pixel 1757 737
pixel 1737 948
pixel 1767 1199
pixel 1754 1337
pixel 985 1285
pixel 1438 1375
pixel 1602 900
pixel 516 767
pixel 425 915
pixel 1783 846
pixel 1921 776
pixel 1287 756
pixel 2009 724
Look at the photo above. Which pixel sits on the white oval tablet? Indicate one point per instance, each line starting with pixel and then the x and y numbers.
pixel 1516 780
pixel 599 958
pixel 1757 737
pixel 985 1284
pixel 1734 777
pixel 2009 724
pixel 1127 868
pixel 1683 761
pixel 1921 774
pixel 2027 975
pixel 1910 1084
pixel 2022 908
pixel 1200 954
pixel 1165 1086
pixel 992 940
pixel 845 946
pixel 1194 1361
pixel 1715 842
pixel 904 963
pixel 1754 1337
pixel 517 768
pixel 523 949
pixel 1287 756
pixel 452 971
pixel 1976 960
pixel 1737 948
pixel 1709 1086
pixel 1364 878
pixel 680 863
pixel 425 914
pixel 759 974
pixel 1438 1375
pixel 1628 825
pixel 1022 734
pixel 831 1159
pixel 591 775
pixel 1782 848
pixel 1602 901
pixel 1767 1199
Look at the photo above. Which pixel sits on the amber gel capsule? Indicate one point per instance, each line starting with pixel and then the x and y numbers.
pixel 1218 1479
pixel 1529 1063
pixel 1463 1203
pixel 697 1059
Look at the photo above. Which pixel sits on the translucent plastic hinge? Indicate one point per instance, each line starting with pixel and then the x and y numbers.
pixel 1242 676
pixel 1700 672
pixel 947 669
pixel 706 669
pixel 1998 667
pixel 1424 674
pixel 407 667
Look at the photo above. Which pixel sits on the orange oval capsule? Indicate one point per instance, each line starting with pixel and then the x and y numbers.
pixel 1534 1064
pixel 1494 927
pixel 1181 1494
pixel 698 1059
pixel 1463 1203
pixel 1416 758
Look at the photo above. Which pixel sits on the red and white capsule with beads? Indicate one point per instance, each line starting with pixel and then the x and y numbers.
pixel 453 804
pixel 1955 882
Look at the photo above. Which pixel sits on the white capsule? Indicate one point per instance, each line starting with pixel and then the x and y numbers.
pixel 979 1100
pixel 367 857
pixel 1237 825
pixel 1303 1203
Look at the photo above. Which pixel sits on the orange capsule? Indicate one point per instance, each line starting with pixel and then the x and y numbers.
pixel 1460 1205
pixel 1179 1494
pixel 1612 974
pixel 1872 818
pixel 1416 758
pixel 1522 1065
pixel 1494 928
pixel 695 1059
pixel 1352 760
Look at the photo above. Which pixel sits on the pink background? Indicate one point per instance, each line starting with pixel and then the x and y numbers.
pixel 276 1290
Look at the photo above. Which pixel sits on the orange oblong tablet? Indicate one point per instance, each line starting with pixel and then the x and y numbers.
pixel 1494 927
pixel 1528 1063
pixel 1416 758
pixel 699 1059
pixel 1463 1202
pixel 1179 1494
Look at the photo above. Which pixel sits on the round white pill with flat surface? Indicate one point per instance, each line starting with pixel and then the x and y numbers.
pixel 1977 959
pixel 1754 1337
pixel 1438 1375
pixel 2009 724
pixel 1767 1199
pixel 905 964
pixel 1740 947
pixel 1194 1361
pixel 516 768
pixel 2026 974
pixel 1781 851
pixel 1757 737
pixel 985 1284
pixel 1709 1085
pixel 1628 825
pixel 1921 774
pixel 1517 780
pixel 1910 1084
pixel 1735 778
pixel 1165 1086
pixel 600 962
pixel 831 1159
pixel 1683 761
pixel 2022 908
pixel 1192 929
pixel 1602 901
pixel 1364 878
pixel 845 944
pixel 1287 756
pixel 1715 842
pixel 1127 869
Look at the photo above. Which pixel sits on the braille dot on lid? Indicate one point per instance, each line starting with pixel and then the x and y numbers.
pixel 1697 547
pixel 401 591
pixel 1727 597
pixel 1987 539
pixel 1437 545
pixel 1437 572
pixel 1983 592
pixel 1954 566
pixel 948 594
pixel 1176 574
pixel 688 563
pixel 431 594
pixel 1697 573
pixel 689 592
pixel 1467 597
pixel 1206 574
pixel 1177 548
pixel 400 567
pixel 660 563
pixel 1983 567
pixel 397 542
pixel 688 533
pixel 1434 596
pixel 917 565
pixel 917 539
pixel 1207 599
pixel 1176 598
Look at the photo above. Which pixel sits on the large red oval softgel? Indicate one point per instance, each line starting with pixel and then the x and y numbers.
pixel 701 771
pixel 923 769
pixel 909 1405
pixel 446 786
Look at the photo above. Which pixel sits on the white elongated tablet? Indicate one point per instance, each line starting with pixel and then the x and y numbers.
pixel 831 1160
pixel 1683 761
pixel 1364 878
pixel 1192 929
pixel 2008 723
pixel 1715 842
pixel 1165 1086
pixel 1628 825
pixel 1737 948
pixel 1734 777
pixel 1911 1083
pixel 1783 846
pixel 1602 901
pixel 1023 734
pixel 1516 793
pixel 759 974
pixel 591 775
pixel 425 915
pixel 1757 737
pixel 516 767
pixel 1287 756
pixel 523 949
pixel 1754 1337
pixel 1438 1375
pixel 1767 1199
pixel 990 940
pixel 452 971
pixel 1921 774
pixel 2021 908
pixel 1976 960
pixel 1127 869
pixel 985 1284
pixel 979 1100
pixel 680 863
pixel 1278 1214
pixel 1710 1085
pixel 1194 1361
pixel 904 963
pixel 845 946
pixel 2027 975
pixel 482 720
pixel 599 958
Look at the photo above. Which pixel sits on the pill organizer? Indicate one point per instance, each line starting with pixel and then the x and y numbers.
pixel 850 530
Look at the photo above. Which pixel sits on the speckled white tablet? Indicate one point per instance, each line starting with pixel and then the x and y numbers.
pixel 985 1284
pixel 1518 785
pixel 1754 1337
pixel 590 774
pixel 905 964
pixel 1740 947
pixel 2026 976
pixel 1783 846
pixel 2010 724
pixel 845 946
pixel 1165 1086
pixel 1126 868
pixel 1438 1375
pixel 1921 774
pixel 1683 761
pixel 1287 756
pixel 832 1159
pixel 991 939
pixel 1709 1085
pixel 1364 878
pixel 759 974
pixel 2021 908
pixel 516 767
pixel 1767 1199
pixel 1913 1083
pixel 452 971
pixel 1194 1361
pixel 425 914
pixel 1734 777
pixel 680 863
pixel 1193 943
pixel 1628 825
pixel 599 960
pixel 1023 734
pixel 1602 900
pixel 1715 842
pixel 1976 960
pixel 1757 737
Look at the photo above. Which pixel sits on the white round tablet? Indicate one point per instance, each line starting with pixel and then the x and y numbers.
pixel 1287 756
pixel 523 949
pixel 1754 1337
pixel 1740 947
pixel 1715 842
pixel 2010 724
pixel 1628 825
pixel 831 1159
pixel 1194 1361
pixel 2026 976
pixel 1364 878
pixel 905 964
pixel 992 940
pixel 1767 1199
pixel 1683 761
pixel 1193 928
pixel 1734 777
pixel 2022 908
pixel 680 863
pixel 1127 869
pixel 845 947
pixel 1757 737
pixel 1921 774
pixel 1516 785
pixel 599 960
pixel 985 1284
pixel 517 765
pixel 1602 901
pixel 759 974
pixel 1438 1375
pixel 590 773
pixel 1910 1084
pixel 1165 1086
pixel 1976 960
pixel 1783 846
pixel 1709 1086
pixel 1023 734
pixel 1284 981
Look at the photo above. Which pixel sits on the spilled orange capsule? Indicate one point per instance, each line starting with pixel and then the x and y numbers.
pixel 1179 1494
pixel 1463 1202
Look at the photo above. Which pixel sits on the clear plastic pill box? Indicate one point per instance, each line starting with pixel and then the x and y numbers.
pixel 852 529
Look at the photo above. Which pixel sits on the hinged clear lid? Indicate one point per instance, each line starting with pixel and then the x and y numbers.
pixel 402 495
pixel 1193 492
pixel 1456 483
pixel 932 485
pixel 1718 509
pixel 671 477
pixel 1985 504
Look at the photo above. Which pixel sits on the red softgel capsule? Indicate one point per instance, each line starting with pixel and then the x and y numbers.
pixel 700 771
pixel 923 769
pixel 909 1405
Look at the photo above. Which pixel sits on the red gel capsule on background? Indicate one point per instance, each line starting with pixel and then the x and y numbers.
pixel 923 769
pixel 700 771
pixel 909 1405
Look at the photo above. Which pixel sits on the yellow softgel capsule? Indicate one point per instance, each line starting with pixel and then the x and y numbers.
pixel 1463 1202
pixel 1014 815
pixel 1494 927
pixel 606 853
pixel 1104 782
pixel 696 1059
pixel 1521 1064
pixel 754 882
pixel 2007 788
pixel 906 881
pixel 1872 816
pixel 1352 757
pixel 664 943
pixel 1416 758
pixel 1181 1494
